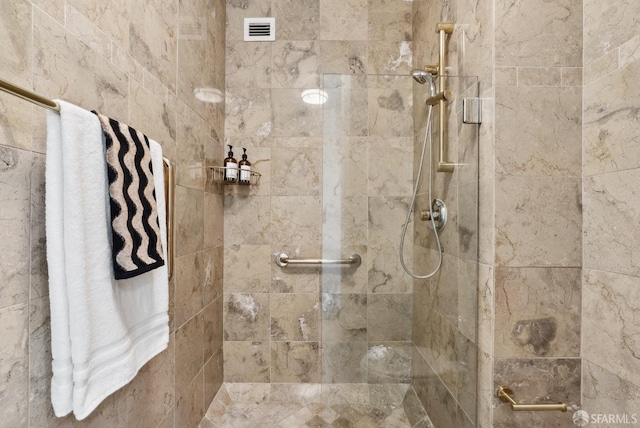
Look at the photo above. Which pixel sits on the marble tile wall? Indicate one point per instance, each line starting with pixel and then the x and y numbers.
pixel 139 62
pixel 610 175
pixel 335 181
pixel 445 322
pixel 537 173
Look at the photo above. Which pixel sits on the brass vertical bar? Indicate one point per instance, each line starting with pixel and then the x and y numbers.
pixel 169 198
pixel 443 29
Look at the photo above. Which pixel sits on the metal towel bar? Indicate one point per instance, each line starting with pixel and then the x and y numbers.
pixel 283 260
pixel 506 396
pixel 169 181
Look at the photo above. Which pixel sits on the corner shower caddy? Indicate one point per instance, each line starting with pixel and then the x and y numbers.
pixel 218 176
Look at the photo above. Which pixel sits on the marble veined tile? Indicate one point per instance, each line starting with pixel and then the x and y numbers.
pixel 609 129
pixel 604 392
pixel 539 222
pixel 536 33
pixel 344 317
pixel 247 268
pixel 246 316
pixel 610 221
pixel 40 410
pixel 39 273
pixel 296 219
pixel 389 317
pixel 113 20
pixel 295 64
pixel 15 191
pixel 247 361
pixel 537 312
pixel 153 38
pixel 189 286
pixel 247 220
pixel 155 118
pixel 390 20
pixel 391 57
pixel 299 20
pixel 190 142
pixel 389 362
pixel 538 380
pixel 292 117
pixel 189 220
pixel 390 113
pixel 344 362
pixel 295 362
pixel 68 69
pixel 295 317
pixel 296 172
pixel 343 57
pixel 541 143
pixel 14 364
pixel 343 20
pixel 248 65
pixel 611 333
pixel 607 26
pixel 88 32
pixel 248 112
pixel 189 353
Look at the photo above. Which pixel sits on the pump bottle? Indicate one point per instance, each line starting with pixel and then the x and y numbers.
pixel 231 167
pixel 245 169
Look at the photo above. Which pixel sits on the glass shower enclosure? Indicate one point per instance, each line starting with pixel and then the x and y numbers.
pixel 387 339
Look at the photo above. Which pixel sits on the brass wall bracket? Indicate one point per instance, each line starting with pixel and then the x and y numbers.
pixel 506 396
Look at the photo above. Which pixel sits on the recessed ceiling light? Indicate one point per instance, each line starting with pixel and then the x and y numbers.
pixel 314 96
pixel 209 95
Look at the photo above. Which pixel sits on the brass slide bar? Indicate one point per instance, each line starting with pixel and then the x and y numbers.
pixel 283 260
pixel 506 396
pixel 169 182
pixel 443 29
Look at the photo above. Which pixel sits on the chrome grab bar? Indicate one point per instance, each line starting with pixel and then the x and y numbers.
pixel 283 260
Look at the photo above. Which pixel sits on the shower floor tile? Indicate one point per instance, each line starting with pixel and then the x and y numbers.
pixel 242 405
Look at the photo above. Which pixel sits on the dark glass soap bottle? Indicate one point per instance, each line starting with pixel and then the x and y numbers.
pixel 245 169
pixel 231 167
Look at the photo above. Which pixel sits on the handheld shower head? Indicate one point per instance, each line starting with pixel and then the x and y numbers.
pixel 422 77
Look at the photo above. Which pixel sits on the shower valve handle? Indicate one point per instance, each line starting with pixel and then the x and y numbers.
pixel 426 215
pixel 437 214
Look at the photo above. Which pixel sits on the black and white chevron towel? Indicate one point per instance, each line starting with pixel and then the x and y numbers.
pixel 137 247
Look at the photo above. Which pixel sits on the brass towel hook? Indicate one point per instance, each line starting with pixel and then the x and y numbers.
pixel 506 396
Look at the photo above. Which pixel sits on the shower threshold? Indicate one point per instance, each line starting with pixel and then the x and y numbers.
pixel 295 405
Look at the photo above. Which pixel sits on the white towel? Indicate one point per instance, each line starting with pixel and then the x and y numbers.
pixel 102 330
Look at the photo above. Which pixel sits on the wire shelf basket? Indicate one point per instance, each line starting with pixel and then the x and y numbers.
pixel 218 174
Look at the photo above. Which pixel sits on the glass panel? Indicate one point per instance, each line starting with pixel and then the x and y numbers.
pixel 382 331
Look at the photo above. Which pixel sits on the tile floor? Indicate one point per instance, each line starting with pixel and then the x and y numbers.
pixel 240 405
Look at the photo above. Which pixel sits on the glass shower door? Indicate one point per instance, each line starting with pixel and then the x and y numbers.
pixel 377 337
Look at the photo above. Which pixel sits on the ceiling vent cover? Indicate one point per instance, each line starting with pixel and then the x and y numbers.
pixel 259 29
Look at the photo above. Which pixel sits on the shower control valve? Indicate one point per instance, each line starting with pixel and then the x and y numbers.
pixel 438 212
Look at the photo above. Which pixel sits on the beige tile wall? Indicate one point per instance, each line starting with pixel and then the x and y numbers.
pixel 121 59
pixel 610 178
pixel 333 184
pixel 529 59
pixel 537 205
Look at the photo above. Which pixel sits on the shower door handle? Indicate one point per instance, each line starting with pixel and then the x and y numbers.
pixel 283 260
